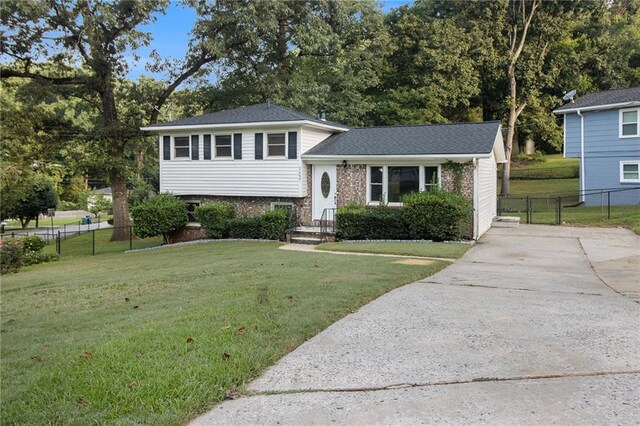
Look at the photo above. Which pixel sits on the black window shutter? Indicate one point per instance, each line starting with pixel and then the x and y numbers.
pixel 207 147
pixel 258 146
pixel 237 146
pixel 195 155
pixel 166 147
pixel 293 145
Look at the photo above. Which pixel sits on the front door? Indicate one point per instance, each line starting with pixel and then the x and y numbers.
pixel 324 189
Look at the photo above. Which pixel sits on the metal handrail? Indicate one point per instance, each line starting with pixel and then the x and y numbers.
pixel 327 223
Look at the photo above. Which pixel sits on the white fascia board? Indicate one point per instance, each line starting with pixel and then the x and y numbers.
pixel 498 148
pixel 387 159
pixel 259 124
pixel 598 107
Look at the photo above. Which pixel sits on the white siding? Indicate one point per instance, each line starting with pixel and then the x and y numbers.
pixel 487 193
pixel 245 177
pixel 312 137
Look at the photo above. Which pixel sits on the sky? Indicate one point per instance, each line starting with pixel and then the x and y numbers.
pixel 170 33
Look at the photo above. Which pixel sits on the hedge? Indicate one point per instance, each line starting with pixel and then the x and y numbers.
pixel 214 218
pixel 246 228
pixel 274 224
pixel 437 215
pixel 160 215
pixel 364 223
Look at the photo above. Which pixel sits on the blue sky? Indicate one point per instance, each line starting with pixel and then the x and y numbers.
pixel 170 34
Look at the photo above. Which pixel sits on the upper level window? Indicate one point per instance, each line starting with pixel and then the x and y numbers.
pixel 276 145
pixel 629 123
pixel 630 171
pixel 223 146
pixel 181 147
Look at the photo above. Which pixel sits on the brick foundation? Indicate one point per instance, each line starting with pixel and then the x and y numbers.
pixel 187 233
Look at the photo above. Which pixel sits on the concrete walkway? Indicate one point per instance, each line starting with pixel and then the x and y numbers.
pixel 533 325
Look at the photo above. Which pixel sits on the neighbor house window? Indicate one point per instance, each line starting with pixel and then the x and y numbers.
pixel 629 123
pixel 402 181
pixel 391 183
pixel 630 171
pixel 430 178
pixel 181 147
pixel 223 146
pixel 276 145
pixel 375 183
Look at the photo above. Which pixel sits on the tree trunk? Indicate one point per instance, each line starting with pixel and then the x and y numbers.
pixel 120 205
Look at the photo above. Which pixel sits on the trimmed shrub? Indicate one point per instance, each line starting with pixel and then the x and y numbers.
pixel 274 224
pixel 32 244
pixel 245 227
pixel 11 253
pixel 161 215
pixel 437 215
pixel 357 222
pixel 34 257
pixel 214 218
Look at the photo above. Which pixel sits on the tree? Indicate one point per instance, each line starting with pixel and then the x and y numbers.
pixel 24 195
pixel 98 203
pixel 98 35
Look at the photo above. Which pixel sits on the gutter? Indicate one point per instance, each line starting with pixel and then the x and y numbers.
pixel 582 170
pixel 598 107
pixel 476 215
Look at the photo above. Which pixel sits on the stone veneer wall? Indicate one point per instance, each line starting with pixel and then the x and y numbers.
pixel 352 184
pixel 448 180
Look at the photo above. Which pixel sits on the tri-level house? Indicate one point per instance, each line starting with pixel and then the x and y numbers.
pixel 603 130
pixel 261 156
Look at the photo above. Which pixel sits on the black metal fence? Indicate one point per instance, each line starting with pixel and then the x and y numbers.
pixel 600 204
pixel 81 244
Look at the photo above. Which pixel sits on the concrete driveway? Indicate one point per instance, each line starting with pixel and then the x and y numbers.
pixel 535 324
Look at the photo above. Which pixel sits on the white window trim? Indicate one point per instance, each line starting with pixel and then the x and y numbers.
pixel 173 148
pixel 385 181
pixel 265 145
pixel 622 179
pixel 214 150
pixel 637 110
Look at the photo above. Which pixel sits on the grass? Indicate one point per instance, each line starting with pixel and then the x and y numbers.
pixel 544 187
pixel 82 245
pixel 157 337
pixel 420 249
pixel 13 225
pixel 554 167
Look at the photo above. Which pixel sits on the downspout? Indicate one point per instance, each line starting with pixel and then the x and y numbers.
pixel 582 171
pixel 476 216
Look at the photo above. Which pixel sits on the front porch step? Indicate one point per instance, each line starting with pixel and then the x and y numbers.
pixel 307 235
pixel 305 240
pixel 506 222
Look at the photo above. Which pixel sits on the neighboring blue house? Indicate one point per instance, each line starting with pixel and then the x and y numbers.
pixel 603 130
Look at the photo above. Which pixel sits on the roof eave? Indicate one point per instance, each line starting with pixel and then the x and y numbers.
pixel 256 124
pixel 394 157
pixel 597 107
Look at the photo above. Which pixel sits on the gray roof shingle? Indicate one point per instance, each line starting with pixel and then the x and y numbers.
pixel 610 97
pixel 462 138
pixel 266 112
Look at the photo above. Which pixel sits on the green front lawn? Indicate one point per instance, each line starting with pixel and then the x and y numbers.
pixel 544 187
pixel 419 249
pixel 82 245
pixel 160 336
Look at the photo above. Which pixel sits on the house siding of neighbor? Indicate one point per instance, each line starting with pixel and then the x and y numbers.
pixel 263 155
pixel 609 157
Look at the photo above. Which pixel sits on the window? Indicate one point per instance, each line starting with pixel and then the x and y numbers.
pixel 391 183
pixel 376 183
pixel 181 147
pixel 430 178
pixel 276 145
pixel 629 123
pixel 402 181
pixel 223 146
pixel 192 205
pixel 630 171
